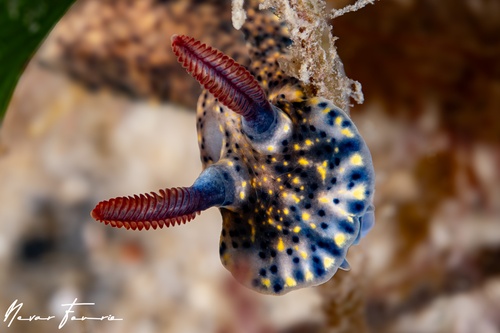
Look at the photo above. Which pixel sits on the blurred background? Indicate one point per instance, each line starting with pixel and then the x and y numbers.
pixel 104 110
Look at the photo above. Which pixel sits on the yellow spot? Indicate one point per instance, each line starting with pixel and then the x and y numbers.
pixel 220 128
pixel 290 282
pixel 347 132
pixel 285 163
pixel 244 184
pixel 230 163
pixel 356 159
pixel 286 128
pixel 340 239
pixel 253 230
pixel 349 218
pixel 295 180
pixel 270 148
pixel 270 191
pixel 322 172
pixel 338 120
pixel 266 282
pixel 273 159
pixel 265 179
pixel 303 161
pixel 305 216
pixel 285 211
pixel 323 200
pixel 297 200
pixel 270 221
pixel 297 94
pixel 302 188
pixel 263 167
pixel 242 195
pixel 328 262
pixel 281 187
pixel 336 149
pixel 296 146
pixel 309 142
pixel 278 227
pixel 313 226
pixel 303 254
pixel 309 275
pixel 281 245
pixel 341 170
pixel 359 192
pixel 314 100
pixel 296 229
pixel 326 110
pixel 284 194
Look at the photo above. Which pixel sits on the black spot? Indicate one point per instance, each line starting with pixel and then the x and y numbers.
pixel 356 206
pixel 346 123
pixel 262 255
pixel 277 287
pixel 314 186
pixel 235 245
pixel 284 142
pixel 285 232
pixel 350 185
pixel 299 276
pixel 295 239
pixel 337 161
pixel 336 201
pixel 321 212
pixel 312 128
pixel 311 196
pixel 324 225
pixel 355 176
pixel 289 252
pixel 222 248
pixel 273 269
pixel 322 134
pixel 35 248
pixel 307 206
pixel 262 272
pixel 329 246
pixel 296 260
pixel 322 105
pixel 293 208
pixel 246 245
pixel 273 253
pixel 346 227
pixel 313 247
pixel 349 146
pixel 333 180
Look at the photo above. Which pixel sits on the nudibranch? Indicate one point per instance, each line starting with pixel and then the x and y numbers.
pixel 290 173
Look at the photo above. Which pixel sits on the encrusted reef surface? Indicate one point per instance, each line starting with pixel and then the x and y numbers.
pixel 430 79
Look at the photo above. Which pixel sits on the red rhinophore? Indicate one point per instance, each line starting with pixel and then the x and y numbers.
pixel 230 82
pixel 169 207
